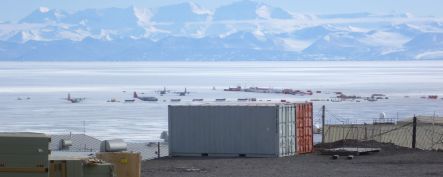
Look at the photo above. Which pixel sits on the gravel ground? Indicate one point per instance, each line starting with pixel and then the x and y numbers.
pixel 392 161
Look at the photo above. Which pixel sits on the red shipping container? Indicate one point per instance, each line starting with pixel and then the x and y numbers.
pixel 304 128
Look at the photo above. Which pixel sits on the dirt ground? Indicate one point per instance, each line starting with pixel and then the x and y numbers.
pixel 392 161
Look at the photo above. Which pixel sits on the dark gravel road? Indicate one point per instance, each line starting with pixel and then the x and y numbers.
pixel 391 162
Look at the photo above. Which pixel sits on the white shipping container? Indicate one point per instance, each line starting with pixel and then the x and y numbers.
pixel 252 130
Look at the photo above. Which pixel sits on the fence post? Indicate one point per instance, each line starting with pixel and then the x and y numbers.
pixel 414 132
pixel 366 132
pixel 323 124
pixel 158 150
pixel 379 133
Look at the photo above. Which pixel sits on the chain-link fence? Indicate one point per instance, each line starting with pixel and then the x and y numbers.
pixel 149 151
pixel 419 132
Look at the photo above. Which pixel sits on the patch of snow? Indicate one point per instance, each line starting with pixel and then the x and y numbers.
pixel 31 35
pixel 44 9
pixel 84 22
pixel 304 17
pixel 106 34
pixel 263 12
pixel 430 28
pixel 232 31
pixel 9 30
pixel 430 55
pixel 409 15
pixel 385 39
pixel 295 45
pixel 201 33
pixel 77 35
pixel 59 14
pixel 143 16
pixel 347 28
pixel 64 26
pixel 327 38
pixel 199 10
pixel 258 33
pixel 389 51
pixel 356 29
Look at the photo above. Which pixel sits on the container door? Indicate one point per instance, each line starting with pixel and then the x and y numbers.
pixel 286 130
pixel 304 128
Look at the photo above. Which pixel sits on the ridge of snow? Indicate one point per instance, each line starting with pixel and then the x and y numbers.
pixel 199 10
pixel 430 55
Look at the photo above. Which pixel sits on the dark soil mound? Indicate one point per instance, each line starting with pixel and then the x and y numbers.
pixel 386 147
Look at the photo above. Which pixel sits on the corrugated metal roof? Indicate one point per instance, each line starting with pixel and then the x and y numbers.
pixel 83 145
pixel 80 142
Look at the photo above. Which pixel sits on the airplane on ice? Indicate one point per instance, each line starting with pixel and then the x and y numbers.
pixel 74 100
pixel 145 98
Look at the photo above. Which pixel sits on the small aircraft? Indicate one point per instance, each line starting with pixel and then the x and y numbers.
pixel 184 93
pixel 162 92
pixel 145 98
pixel 74 100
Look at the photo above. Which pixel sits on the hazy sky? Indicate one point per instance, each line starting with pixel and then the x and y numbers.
pixel 12 10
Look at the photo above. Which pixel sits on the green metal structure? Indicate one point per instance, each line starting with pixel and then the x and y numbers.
pixel 24 154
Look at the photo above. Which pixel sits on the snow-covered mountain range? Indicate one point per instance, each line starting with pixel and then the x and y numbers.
pixel 244 30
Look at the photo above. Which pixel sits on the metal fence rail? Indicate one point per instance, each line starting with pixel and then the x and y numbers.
pixel 149 151
pixel 421 135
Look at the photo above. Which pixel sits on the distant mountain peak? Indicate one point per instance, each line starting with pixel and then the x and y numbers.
pixel 43 15
pixel 44 9
pixel 183 12
pixel 250 10
pixel 199 9
pixel 264 12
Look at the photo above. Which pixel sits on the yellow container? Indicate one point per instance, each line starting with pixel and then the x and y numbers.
pixel 126 164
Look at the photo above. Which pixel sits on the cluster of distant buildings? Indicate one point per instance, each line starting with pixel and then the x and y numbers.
pixel 270 90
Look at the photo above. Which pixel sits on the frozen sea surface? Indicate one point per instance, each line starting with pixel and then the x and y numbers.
pixel 47 84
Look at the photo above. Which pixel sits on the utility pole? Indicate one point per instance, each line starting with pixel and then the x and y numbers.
pixel 414 132
pixel 323 109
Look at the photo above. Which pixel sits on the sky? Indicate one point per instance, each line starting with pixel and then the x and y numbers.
pixel 13 10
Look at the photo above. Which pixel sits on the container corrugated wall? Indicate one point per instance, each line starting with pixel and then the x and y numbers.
pixel 287 130
pixel 223 130
pixel 304 128
pixel 267 130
